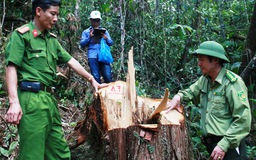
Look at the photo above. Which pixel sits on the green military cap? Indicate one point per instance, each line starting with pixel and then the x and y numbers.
pixel 49 2
pixel 212 48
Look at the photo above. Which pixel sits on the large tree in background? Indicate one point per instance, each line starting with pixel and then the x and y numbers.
pixel 249 58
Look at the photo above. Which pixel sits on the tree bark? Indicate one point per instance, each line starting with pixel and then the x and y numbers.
pixel 122 11
pixel 169 142
pixel 2 18
pixel 132 127
pixel 121 138
pixel 248 58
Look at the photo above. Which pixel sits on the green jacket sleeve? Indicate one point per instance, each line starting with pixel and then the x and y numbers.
pixel 15 45
pixel 193 92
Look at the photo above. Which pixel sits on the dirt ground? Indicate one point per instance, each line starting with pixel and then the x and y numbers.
pixel 70 115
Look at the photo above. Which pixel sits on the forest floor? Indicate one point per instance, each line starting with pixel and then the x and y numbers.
pixel 70 115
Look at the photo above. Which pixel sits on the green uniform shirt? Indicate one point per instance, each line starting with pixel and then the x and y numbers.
pixel 35 54
pixel 225 107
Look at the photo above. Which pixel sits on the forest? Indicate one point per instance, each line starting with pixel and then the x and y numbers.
pixel 163 34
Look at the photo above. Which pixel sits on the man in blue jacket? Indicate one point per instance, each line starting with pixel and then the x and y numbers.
pixel 93 42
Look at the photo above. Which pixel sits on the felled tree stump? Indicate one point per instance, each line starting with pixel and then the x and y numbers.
pixel 168 143
pixel 133 127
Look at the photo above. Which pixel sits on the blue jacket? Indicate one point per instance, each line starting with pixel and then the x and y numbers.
pixel 93 43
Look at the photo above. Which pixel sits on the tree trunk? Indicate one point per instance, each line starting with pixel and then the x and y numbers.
pixel 132 127
pixel 247 68
pixel 135 143
pixel 2 18
pixel 122 10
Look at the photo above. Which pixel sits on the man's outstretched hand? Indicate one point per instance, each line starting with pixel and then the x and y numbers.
pixel 174 103
pixel 98 86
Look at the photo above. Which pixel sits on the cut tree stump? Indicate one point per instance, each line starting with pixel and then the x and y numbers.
pixel 134 143
pixel 131 127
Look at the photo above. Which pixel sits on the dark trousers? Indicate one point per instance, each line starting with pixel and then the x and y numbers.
pixel 211 141
pixel 99 68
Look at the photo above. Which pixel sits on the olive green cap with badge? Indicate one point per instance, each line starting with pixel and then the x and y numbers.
pixel 212 48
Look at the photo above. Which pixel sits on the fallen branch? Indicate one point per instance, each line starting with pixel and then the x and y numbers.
pixel 248 69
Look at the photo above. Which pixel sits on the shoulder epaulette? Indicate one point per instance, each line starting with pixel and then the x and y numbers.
pixel 231 76
pixel 53 35
pixel 23 29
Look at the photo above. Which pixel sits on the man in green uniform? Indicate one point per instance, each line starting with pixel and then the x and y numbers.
pixel 32 56
pixel 222 95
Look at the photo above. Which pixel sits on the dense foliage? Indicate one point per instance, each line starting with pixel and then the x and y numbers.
pixel 163 34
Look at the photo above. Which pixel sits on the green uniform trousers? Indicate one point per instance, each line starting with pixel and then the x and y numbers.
pixel 40 130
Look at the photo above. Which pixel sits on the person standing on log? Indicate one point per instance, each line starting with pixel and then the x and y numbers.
pixel 32 55
pixel 92 40
pixel 222 96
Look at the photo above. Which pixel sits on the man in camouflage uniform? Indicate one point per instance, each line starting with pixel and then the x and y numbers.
pixel 32 56
pixel 222 96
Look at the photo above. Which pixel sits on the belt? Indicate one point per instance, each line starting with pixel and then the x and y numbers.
pixel 47 88
pixel 35 87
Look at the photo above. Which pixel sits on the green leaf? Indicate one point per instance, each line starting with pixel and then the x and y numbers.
pixel 73 124
pixel 253 100
pixel 106 7
pixel 2 92
pixel 196 140
pixel 13 145
pixel 235 67
pixel 4 152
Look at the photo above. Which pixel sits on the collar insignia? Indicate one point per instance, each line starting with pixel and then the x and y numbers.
pixel 35 33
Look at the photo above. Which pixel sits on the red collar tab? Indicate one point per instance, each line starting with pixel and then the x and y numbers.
pixel 35 33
